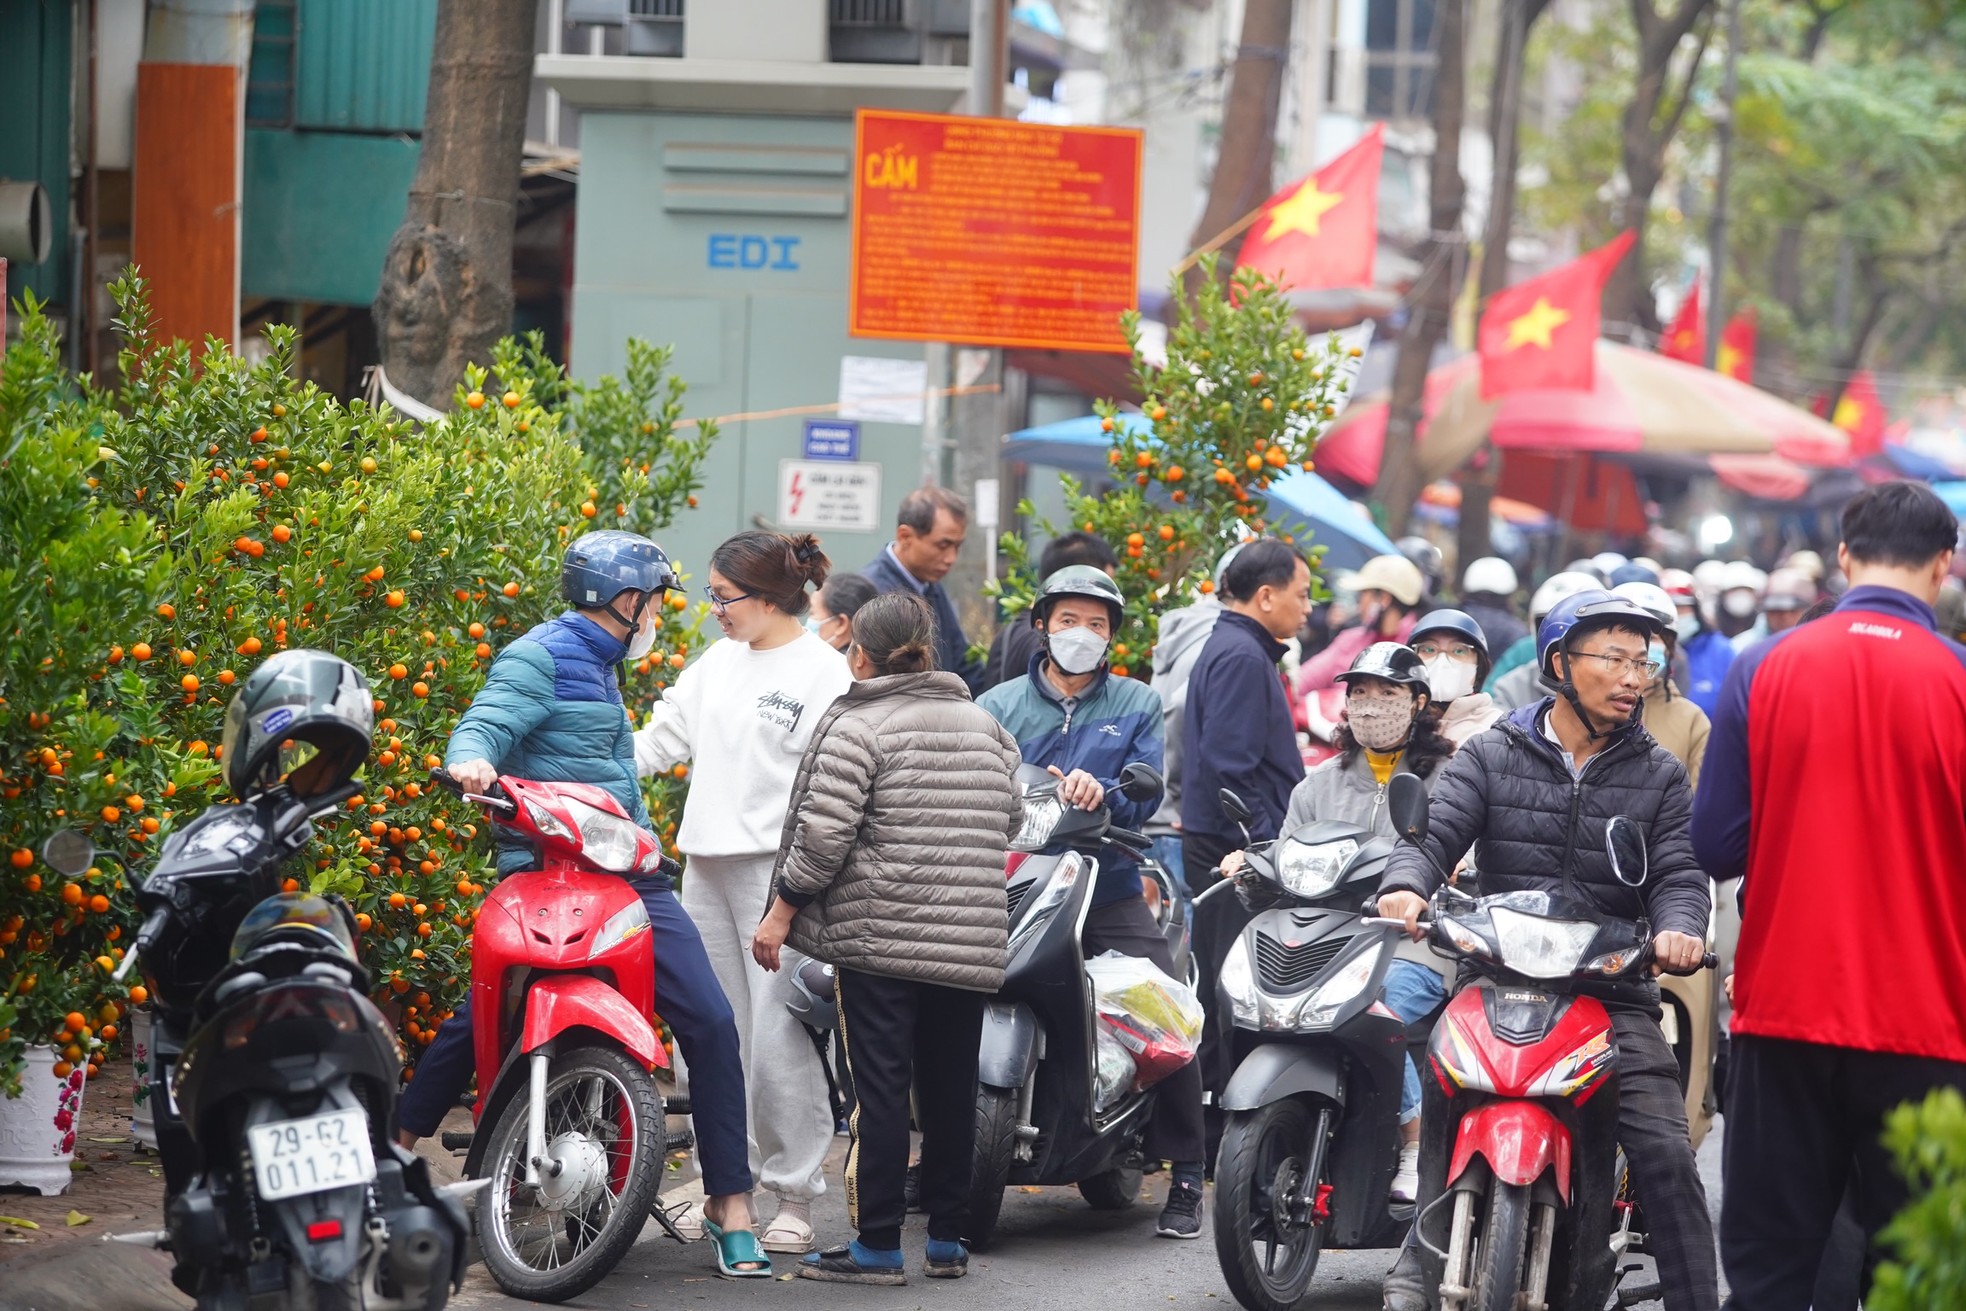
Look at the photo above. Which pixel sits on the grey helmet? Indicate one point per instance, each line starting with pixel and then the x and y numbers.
pixel 1079 580
pixel 303 716
pixel 812 991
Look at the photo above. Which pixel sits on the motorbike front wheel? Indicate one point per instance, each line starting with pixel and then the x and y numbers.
pixel 1267 1234
pixel 1504 1243
pixel 604 1131
pixel 996 1144
pixel 1112 1190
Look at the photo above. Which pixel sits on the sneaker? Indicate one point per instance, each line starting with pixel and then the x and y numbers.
pixel 1406 1179
pixel 945 1260
pixel 1181 1217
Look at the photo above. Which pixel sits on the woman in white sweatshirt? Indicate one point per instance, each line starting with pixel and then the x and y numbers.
pixel 743 714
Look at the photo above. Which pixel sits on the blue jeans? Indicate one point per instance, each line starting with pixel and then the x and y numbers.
pixel 1411 991
pixel 1167 851
pixel 697 1011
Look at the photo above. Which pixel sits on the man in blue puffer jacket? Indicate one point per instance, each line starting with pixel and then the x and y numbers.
pixel 1072 716
pixel 551 711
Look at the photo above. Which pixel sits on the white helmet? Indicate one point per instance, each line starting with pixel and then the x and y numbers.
pixel 1652 599
pixel 1555 588
pixel 1678 584
pixel 1740 574
pixel 1647 562
pixel 1707 576
pixel 1606 561
pixel 1491 574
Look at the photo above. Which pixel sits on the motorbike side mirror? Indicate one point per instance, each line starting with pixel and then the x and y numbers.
pixel 1234 807
pixel 1624 842
pixel 1406 802
pixel 1140 782
pixel 68 851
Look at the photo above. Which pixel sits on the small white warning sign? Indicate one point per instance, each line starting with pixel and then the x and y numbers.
pixel 829 494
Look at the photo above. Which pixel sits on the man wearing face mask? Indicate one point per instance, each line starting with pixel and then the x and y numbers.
pixel 1675 722
pixel 1070 715
pixel 1454 652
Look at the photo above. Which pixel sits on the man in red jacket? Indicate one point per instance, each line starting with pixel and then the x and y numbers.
pixel 1835 782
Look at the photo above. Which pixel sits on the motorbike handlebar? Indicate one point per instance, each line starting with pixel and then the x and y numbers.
pixel 443 778
pixel 153 929
pixel 1708 961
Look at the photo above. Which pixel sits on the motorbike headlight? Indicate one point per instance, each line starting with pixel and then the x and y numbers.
pixel 1063 880
pixel 1312 871
pixel 1237 978
pixel 1041 816
pixel 1539 948
pixel 1464 939
pixel 1340 988
pixel 1612 963
pixel 547 822
pixel 621 926
pixel 608 840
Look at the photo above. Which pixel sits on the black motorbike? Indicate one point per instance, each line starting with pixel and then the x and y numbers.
pixel 274 1079
pixel 1311 1134
pixel 1038 1118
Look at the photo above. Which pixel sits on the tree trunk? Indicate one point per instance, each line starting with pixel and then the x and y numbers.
pixel 1243 178
pixel 1433 300
pixel 446 293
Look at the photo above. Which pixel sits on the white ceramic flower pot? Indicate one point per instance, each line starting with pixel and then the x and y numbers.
pixel 38 1128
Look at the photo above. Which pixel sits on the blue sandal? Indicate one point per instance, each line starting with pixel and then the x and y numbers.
pixel 735 1248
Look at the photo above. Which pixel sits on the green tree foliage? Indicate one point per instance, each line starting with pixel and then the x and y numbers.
pixel 1928 1237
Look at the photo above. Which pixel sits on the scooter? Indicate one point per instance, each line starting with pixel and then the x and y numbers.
pixel 1037 1121
pixel 274 1079
pixel 1311 1138
pixel 569 1116
pixel 1524 1081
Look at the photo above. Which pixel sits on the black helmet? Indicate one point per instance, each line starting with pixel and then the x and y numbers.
pixel 601 566
pixel 1462 623
pixel 1079 580
pixel 1394 663
pixel 303 918
pixel 1426 557
pixel 305 716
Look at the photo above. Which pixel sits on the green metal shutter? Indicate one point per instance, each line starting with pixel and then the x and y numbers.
pixel 363 65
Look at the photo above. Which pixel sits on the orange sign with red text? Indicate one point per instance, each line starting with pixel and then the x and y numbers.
pixel 993 232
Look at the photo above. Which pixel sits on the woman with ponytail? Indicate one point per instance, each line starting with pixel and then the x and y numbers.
pixel 742 715
pixel 891 870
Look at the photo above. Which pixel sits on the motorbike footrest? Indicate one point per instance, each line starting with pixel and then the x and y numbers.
pixel 680 1140
pixel 676 1104
pixel 456 1142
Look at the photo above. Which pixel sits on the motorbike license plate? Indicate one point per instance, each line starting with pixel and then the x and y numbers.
pixel 292 1158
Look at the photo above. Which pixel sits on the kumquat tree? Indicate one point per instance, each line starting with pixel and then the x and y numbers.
pixel 157 542
pixel 1239 403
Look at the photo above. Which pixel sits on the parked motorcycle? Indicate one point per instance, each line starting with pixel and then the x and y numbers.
pixel 1532 1068
pixel 274 1079
pixel 1311 1135
pixel 570 1119
pixel 1037 1121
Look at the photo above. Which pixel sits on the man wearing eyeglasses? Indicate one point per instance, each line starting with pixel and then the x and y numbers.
pixel 928 533
pixel 1534 794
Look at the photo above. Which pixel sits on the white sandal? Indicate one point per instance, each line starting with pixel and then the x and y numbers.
pixel 787 1234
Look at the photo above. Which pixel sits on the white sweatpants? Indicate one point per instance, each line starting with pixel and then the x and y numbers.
pixel 791 1117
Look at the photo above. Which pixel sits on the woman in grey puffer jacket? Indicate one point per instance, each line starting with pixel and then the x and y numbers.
pixel 891 869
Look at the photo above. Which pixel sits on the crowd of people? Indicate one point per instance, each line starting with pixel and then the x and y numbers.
pixel 853 799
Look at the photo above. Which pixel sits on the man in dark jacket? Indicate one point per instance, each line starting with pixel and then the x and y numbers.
pixel 1237 732
pixel 1867 703
pixel 1534 795
pixel 1017 638
pixel 928 532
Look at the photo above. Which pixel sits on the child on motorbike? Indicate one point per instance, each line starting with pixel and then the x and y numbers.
pixel 550 710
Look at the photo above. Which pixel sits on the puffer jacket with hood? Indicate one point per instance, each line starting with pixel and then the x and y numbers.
pixel 1183 633
pixel 1344 788
pixel 1509 794
pixel 894 847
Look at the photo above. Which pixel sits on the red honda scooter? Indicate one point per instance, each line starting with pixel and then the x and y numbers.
pixel 562 989
pixel 1524 1099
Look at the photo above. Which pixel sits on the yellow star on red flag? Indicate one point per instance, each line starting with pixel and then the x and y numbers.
pixel 1533 328
pixel 1302 211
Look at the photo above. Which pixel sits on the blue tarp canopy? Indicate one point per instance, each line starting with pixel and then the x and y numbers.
pixel 1301 504
pixel 1953 494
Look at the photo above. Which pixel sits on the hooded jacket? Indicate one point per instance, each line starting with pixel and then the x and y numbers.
pixel 1183 633
pixel 1344 789
pixel 1509 794
pixel 1467 715
pixel 550 710
pixel 894 847
pixel 1114 723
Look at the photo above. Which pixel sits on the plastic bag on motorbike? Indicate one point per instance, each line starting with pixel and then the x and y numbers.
pixel 1156 1020
pixel 1112 1078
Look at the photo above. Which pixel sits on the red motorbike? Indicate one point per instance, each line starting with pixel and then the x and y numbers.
pixel 562 990
pixel 1523 1100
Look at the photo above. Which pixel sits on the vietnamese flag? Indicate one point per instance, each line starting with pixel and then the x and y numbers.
pixel 1860 412
pixel 1686 339
pixel 1542 334
pixel 1322 231
pixel 1736 355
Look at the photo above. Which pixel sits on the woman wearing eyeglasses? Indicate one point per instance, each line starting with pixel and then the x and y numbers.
pixel 1455 651
pixel 742 715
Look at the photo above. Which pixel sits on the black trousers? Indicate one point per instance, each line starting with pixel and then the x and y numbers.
pixel 900 1034
pixel 1128 927
pixel 1803 1126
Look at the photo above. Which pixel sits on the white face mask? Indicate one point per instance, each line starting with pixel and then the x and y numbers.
pixel 1687 626
pixel 1380 725
pixel 644 639
pixel 1450 679
pixel 1076 650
